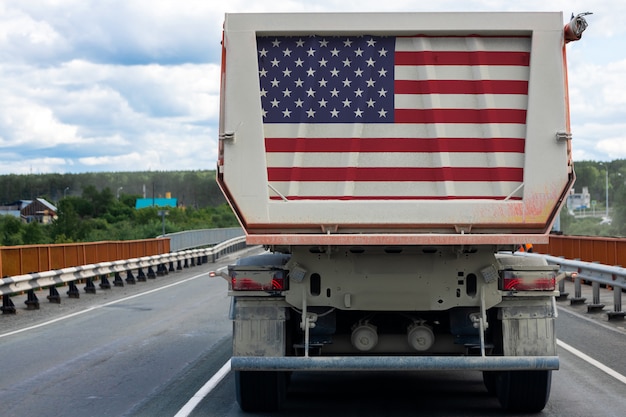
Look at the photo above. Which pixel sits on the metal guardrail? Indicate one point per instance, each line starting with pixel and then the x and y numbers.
pixel 164 264
pixel 203 237
pixel 599 275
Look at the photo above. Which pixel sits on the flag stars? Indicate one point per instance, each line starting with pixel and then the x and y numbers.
pixel 325 79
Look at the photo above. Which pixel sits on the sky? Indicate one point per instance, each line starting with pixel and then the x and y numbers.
pixel 133 85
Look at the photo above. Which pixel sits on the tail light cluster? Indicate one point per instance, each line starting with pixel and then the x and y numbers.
pixel 528 280
pixel 258 279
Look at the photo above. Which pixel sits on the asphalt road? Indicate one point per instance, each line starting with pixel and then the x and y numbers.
pixel 146 349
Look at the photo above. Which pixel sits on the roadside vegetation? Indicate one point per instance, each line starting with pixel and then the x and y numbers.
pixel 101 206
pixel 100 214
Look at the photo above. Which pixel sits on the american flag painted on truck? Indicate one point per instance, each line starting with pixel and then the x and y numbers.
pixel 394 118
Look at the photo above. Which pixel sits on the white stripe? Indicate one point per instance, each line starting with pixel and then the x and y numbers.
pixel 461 72
pixel 395 189
pixel 394 159
pixel 204 391
pixel 382 130
pixel 621 378
pixel 465 43
pixel 461 101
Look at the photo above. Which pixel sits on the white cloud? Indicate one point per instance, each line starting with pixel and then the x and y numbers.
pixel 134 84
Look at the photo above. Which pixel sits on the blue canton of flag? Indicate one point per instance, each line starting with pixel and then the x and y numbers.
pixel 322 79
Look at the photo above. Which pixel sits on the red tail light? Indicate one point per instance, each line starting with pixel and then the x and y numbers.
pixel 528 281
pixel 258 282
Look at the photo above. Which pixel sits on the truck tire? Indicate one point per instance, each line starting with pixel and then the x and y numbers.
pixel 525 391
pixel 260 390
pixel 489 379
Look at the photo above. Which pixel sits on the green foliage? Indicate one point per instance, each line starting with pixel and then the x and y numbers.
pixel 98 214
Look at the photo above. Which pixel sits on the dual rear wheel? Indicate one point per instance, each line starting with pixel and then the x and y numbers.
pixel 526 391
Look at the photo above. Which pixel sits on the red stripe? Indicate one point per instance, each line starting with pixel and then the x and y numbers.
pixel 473 116
pixel 515 145
pixel 462 58
pixel 394 174
pixel 399 197
pixel 461 87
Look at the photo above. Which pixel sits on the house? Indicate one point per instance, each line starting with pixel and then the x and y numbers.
pixel 39 210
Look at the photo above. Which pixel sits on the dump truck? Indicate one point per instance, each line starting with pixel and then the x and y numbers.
pixel 387 166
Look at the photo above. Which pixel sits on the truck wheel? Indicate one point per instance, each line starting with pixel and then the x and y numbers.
pixel 489 379
pixel 260 390
pixel 526 391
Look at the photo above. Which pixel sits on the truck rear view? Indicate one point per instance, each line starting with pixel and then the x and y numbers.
pixel 391 163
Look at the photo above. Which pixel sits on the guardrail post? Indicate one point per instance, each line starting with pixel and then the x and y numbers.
pixel 179 266
pixel 617 312
pixel 130 278
pixel 104 282
pixel 32 302
pixel 172 266
pixel 578 299
pixel 595 304
pixel 54 296
pixel 73 291
pixel 89 287
pixel 151 273
pixel 7 305
pixel 562 293
pixel 118 280
pixel 141 276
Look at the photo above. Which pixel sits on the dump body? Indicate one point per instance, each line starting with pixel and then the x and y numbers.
pixel 391 163
pixel 420 128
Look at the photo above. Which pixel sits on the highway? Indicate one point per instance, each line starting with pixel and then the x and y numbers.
pixel 148 349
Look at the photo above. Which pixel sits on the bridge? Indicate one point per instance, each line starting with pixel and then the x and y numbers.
pixel 162 347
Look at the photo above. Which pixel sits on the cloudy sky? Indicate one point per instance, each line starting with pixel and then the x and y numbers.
pixel 128 85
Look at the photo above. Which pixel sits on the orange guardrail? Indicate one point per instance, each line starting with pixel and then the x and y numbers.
pixel 19 260
pixel 605 250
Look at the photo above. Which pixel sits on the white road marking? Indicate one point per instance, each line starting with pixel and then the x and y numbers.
pixel 621 378
pixel 87 310
pixel 204 391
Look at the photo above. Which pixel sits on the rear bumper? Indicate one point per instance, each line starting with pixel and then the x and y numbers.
pixel 395 363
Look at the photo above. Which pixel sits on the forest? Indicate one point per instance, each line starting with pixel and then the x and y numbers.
pixel 101 206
